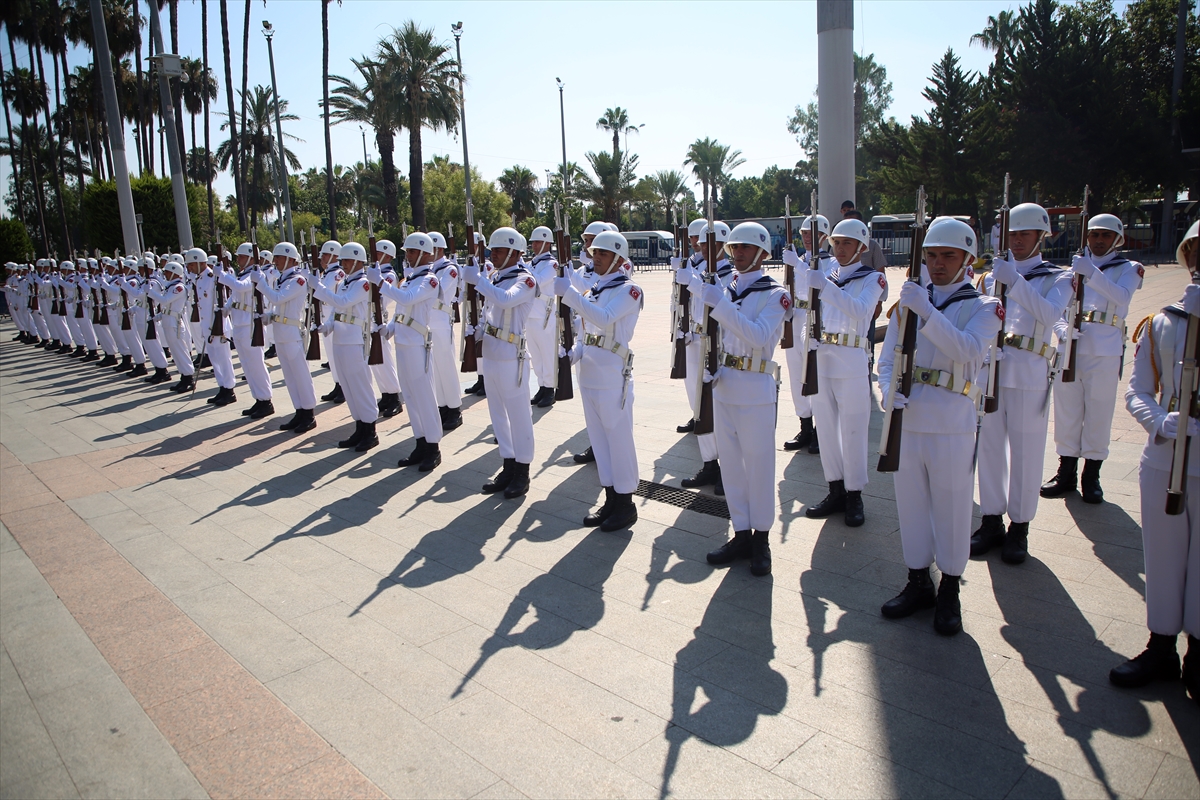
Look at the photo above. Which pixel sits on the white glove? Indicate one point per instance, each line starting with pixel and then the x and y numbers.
pixel 813 344
pixel 676 263
pixel 680 335
pixel 711 295
pixel 1191 299
pixel 916 298
pixel 562 351
pixel 468 330
pixel 576 353
pixel 1005 271
pixel 682 276
pixel 266 318
pixel 1083 267
pixel 374 274
pixel 899 401
pixel 1169 428
pixel 325 329
pixel 792 259
pixel 389 330
pixel 708 377
pixel 816 280
pixel 377 327
pixel 561 285
pixel 694 284
pixel 470 273
pixel 256 277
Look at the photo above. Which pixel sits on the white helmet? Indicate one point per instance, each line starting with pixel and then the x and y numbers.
pixel 151 258
pixel 67 266
pixel 595 228
pixel 331 248
pixel 478 237
pixel 287 249
pixel 195 256
pixel 722 232
pixel 612 226
pixel 438 239
pixel 822 225
pixel 507 237
pixel 245 249
pixel 212 260
pixel 853 229
pixel 93 263
pixel 419 241
pixel 696 227
pixel 353 251
pixel 388 247
pixel 611 241
pixel 173 257
pixel 1108 222
pixel 1028 217
pixel 749 233
pixel 175 268
pixel 1193 233
pixel 541 234
pixel 951 232
pixel 264 255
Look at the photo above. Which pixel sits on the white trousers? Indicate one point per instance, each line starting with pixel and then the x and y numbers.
pixel 88 331
pixel 1012 451
pixel 181 347
pixel 73 326
pixel 153 347
pixel 707 441
pixel 543 347
pixel 105 340
pixel 252 362
pixel 795 362
pixel 1083 409
pixel 328 349
pixel 746 441
pixel 934 497
pixel 356 381
pixel 39 320
pixel 62 331
pixel 1171 545
pixel 417 384
pixel 385 374
pixel 508 406
pixel 842 412
pixel 296 376
pixel 610 431
pixel 447 391
pixel 119 336
pixel 218 353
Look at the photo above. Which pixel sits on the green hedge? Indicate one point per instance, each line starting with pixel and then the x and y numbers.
pixel 152 199
pixel 15 244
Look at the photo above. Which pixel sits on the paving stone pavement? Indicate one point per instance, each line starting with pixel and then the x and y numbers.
pixel 193 604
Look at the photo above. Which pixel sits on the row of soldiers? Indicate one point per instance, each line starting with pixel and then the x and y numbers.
pixel 944 432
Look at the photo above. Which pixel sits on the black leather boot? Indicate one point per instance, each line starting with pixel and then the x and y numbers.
pixel 548 400
pixel 855 515
pixel 598 516
pixel 760 553
pixel 416 456
pixel 1065 480
pixel 474 389
pixel 503 479
pixel 452 420
pixel 355 437
pixel 433 457
pixel 1191 668
pixel 834 502
pixel 624 513
pixel 1016 543
pixel 138 371
pixel 708 475
pixel 519 484
pixel 262 409
pixel 538 396
pixel 271 352
pixel 186 382
pixel 92 355
pixel 1089 482
pixel 947 619
pixel 802 439
pixel 917 594
pixel 307 422
pixel 335 396
pixel 389 404
pixel 990 534
pixel 735 548
pixel 686 427
pixel 160 376
pixel 814 449
pixel 125 365
pixel 109 360
pixel 293 422
pixel 586 457
pixel 369 438
pixel 1158 662
pixel 79 351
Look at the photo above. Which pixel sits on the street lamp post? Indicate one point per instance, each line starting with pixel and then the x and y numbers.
pixel 457 30
pixel 269 32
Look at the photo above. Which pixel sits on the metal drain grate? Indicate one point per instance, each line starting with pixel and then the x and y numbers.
pixel 692 501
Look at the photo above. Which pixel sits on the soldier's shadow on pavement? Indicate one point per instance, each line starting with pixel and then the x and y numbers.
pixel 1116 539
pixel 731 710
pixel 567 598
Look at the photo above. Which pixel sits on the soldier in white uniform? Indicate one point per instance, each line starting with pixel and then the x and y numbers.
pixel 83 282
pixel 1012 441
pixel 609 311
pixel 684 269
pixel 217 347
pixel 447 390
pixel 807 438
pixel 100 302
pixel 479 389
pixel 410 330
pixel 242 316
pixel 172 301
pixel 349 300
pixel 289 302
pixel 751 311
pixel 114 297
pixel 936 479
pixel 330 274
pixel 1171 543
pixel 543 326
pixel 384 373
pixel 842 405
pixel 710 472
pixel 134 286
pixel 1083 408
pixel 583 279
pixel 147 311
pixel 505 364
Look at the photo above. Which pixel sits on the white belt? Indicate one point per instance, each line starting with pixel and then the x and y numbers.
pixel 596 340
pixel 285 321
pixel 409 322
pixel 1103 318
pixel 1029 344
pixel 944 379
pixel 346 318
pixel 748 364
pixel 503 335
pixel 845 340
pixel 242 307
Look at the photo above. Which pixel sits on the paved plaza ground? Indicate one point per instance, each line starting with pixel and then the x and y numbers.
pixel 193 604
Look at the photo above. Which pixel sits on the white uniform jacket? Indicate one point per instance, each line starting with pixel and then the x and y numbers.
pixel 1153 389
pixel 509 298
pixel 849 296
pixel 751 315
pixel 609 311
pixel 1034 305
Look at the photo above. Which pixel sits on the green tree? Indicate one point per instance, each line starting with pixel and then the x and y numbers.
pixel 374 104
pixel 15 244
pixel 872 98
pixel 446 202
pixel 711 163
pixel 261 152
pixel 520 184
pixel 612 185
pixel 616 122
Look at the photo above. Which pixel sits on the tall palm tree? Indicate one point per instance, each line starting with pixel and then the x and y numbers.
pixel 520 184
pixel 325 117
pixel 426 79
pixel 613 184
pixel 667 185
pixel 373 103
pixel 12 151
pixel 22 89
pixel 198 89
pixel 208 167
pixel 711 163
pixel 238 188
pixel 260 149
pixel 245 77
pixel 616 121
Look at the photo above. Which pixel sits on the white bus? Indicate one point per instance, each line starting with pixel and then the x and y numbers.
pixel 650 247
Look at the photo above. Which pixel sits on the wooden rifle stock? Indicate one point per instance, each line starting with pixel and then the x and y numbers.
pixel 1068 373
pixel 1189 408
pixel 376 354
pixel 78 300
pixel 815 325
pixel 33 294
pixel 991 401
pixel 218 323
pixel 54 301
pixel 902 366
pixel 451 253
pixel 195 301
pixel 151 328
pixel 314 338
pixel 684 309
pixel 125 323
pixel 471 345
pixel 95 306
pixel 256 334
pixel 102 305
pixel 564 390
pixel 704 417
pixel 786 342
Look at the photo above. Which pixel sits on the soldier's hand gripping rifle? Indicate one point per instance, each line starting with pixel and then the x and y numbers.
pixel 708 353
pixel 906 350
pixel 564 388
pixel 991 401
pixel 376 354
pixel 256 332
pixel 681 303
pixel 125 324
pixel 815 327
pixel 1076 307
pixel 451 254
pixel 151 328
pixel 1188 406
pixel 313 310
pixel 218 324
pixel 470 356
pixel 789 272
pixel 78 297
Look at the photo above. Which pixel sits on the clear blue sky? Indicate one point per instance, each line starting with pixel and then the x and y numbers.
pixel 733 71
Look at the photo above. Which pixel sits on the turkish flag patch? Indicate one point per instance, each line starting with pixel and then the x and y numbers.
pixel 1141 271
pixel 529 282
pixel 433 282
pixel 300 281
pixel 178 289
pixel 882 282
pixel 1000 311
pixel 634 293
pixel 366 286
pixel 453 273
pixel 785 302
